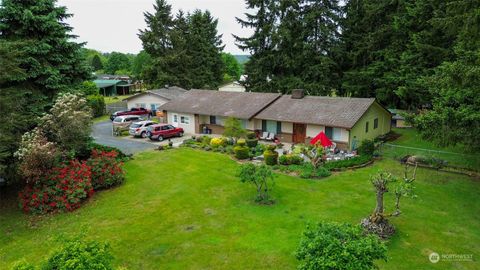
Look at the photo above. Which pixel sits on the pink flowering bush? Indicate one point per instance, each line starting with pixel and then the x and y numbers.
pixel 63 189
pixel 106 170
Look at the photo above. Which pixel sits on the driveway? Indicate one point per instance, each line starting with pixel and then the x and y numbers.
pixel 102 134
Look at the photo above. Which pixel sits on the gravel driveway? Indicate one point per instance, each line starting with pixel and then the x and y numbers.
pixel 102 134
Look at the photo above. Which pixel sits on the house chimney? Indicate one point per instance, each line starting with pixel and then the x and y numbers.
pixel 298 93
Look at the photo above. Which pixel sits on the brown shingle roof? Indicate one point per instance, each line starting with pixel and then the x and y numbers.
pixel 211 102
pixel 326 111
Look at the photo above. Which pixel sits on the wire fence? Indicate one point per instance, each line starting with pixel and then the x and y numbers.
pixel 458 160
pixel 117 106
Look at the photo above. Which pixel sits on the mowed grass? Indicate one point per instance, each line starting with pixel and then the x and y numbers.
pixel 185 209
pixel 454 155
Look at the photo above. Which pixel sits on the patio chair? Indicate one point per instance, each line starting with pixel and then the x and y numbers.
pixel 271 137
pixel 264 136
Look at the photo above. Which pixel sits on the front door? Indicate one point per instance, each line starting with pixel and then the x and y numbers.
pixel 299 133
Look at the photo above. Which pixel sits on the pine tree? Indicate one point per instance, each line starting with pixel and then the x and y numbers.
pixel 96 63
pixel 204 48
pixel 261 44
pixel 52 61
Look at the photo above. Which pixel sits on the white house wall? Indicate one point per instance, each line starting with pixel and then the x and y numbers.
pixel 188 128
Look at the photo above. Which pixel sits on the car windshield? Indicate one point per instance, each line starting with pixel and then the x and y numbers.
pixel 117 120
pixel 136 125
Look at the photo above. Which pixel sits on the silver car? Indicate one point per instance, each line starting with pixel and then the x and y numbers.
pixel 139 129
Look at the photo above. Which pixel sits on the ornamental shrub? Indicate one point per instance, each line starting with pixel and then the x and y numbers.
pixel 339 246
pixel 97 104
pixel 366 148
pixel 241 142
pixel 63 189
pixel 216 142
pixel 251 140
pixel 271 157
pixel 241 151
pixel 290 159
pixel 79 254
pixel 346 163
pixel 106 169
pixel 307 171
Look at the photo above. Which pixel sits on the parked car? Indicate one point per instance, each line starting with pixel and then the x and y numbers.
pixel 162 131
pixel 132 111
pixel 140 128
pixel 125 121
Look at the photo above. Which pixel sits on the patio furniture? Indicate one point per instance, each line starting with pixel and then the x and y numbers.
pixel 271 137
pixel 264 136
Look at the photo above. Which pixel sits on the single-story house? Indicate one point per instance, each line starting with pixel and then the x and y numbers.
pixel 113 87
pixel 292 118
pixel 232 87
pixel 152 99
pixel 398 120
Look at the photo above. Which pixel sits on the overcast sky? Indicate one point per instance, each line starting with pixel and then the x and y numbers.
pixel 112 25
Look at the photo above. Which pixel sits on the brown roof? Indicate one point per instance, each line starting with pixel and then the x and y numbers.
pixel 211 102
pixel 169 93
pixel 326 111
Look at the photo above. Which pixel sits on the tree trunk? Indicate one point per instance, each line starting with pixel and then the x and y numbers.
pixel 377 215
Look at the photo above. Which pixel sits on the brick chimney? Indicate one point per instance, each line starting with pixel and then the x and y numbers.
pixel 298 93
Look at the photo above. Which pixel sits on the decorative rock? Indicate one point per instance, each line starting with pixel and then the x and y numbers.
pixel 383 229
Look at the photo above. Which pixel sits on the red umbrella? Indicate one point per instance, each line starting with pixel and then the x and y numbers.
pixel 322 138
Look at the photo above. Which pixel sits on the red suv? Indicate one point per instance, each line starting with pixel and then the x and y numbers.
pixel 132 111
pixel 163 131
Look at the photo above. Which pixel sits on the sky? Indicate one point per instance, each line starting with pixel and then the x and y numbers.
pixel 112 25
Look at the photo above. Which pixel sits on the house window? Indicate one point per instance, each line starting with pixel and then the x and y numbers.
pixel 329 132
pixel 337 134
pixel 175 118
pixel 279 127
pixel 213 120
pixel 185 120
pixel 366 127
pixel 375 123
pixel 264 125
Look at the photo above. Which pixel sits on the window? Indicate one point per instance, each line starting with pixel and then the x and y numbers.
pixel 213 119
pixel 170 127
pixel 140 105
pixel 165 128
pixel 366 127
pixel 279 127
pixel 175 118
pixel 375 123
pixel 184 120
pixel 329 132
pixel 337 134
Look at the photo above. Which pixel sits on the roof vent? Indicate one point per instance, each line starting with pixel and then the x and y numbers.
pixel 298 93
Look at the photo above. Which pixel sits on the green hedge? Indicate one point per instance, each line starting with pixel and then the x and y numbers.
pixel 359 160
pixel 271 157
pixel 290 159
pixel 97 103
pixel 241 152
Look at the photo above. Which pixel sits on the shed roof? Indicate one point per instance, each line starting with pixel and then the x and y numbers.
pixel 108 83
pixel 229 104
pixel 166 93
pixel 326 111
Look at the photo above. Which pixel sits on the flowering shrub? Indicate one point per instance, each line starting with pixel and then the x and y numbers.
pixel 106 170
pixel 216 142
pixel 63 189
pixel 36 155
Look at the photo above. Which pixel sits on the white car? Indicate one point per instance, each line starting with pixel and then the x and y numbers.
pixel 139 129
pixel 124 121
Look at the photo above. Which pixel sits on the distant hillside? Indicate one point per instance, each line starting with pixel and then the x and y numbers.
pixel 242 59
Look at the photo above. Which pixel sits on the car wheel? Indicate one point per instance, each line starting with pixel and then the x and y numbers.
pixel 160 138
pixel 180 134
pixel 143 134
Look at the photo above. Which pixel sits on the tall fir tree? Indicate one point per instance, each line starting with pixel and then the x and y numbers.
pixel 52 61
pixel 96 63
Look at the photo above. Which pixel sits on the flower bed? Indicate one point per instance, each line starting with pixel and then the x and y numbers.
pixel 351 163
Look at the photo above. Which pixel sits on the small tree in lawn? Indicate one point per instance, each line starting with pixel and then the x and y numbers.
pixel 315 154
pixel 261 177
pixel 332 246
pixel 377 222
pixel 233 128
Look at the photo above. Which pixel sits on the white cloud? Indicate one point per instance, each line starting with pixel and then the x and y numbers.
pixel 112 25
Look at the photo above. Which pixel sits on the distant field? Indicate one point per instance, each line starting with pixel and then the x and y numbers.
pixel 411 143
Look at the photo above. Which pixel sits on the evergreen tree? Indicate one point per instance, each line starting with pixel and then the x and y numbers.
pixel 52 62
pixel 180 60
pixel 261 44
pixel 204 47
pixel 117 62
pixel 140 62
pixel 96 63
pixel 232 67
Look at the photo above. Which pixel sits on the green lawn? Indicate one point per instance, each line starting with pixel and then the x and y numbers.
pixel 415 145
pixel 114 99
pixel 185 209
